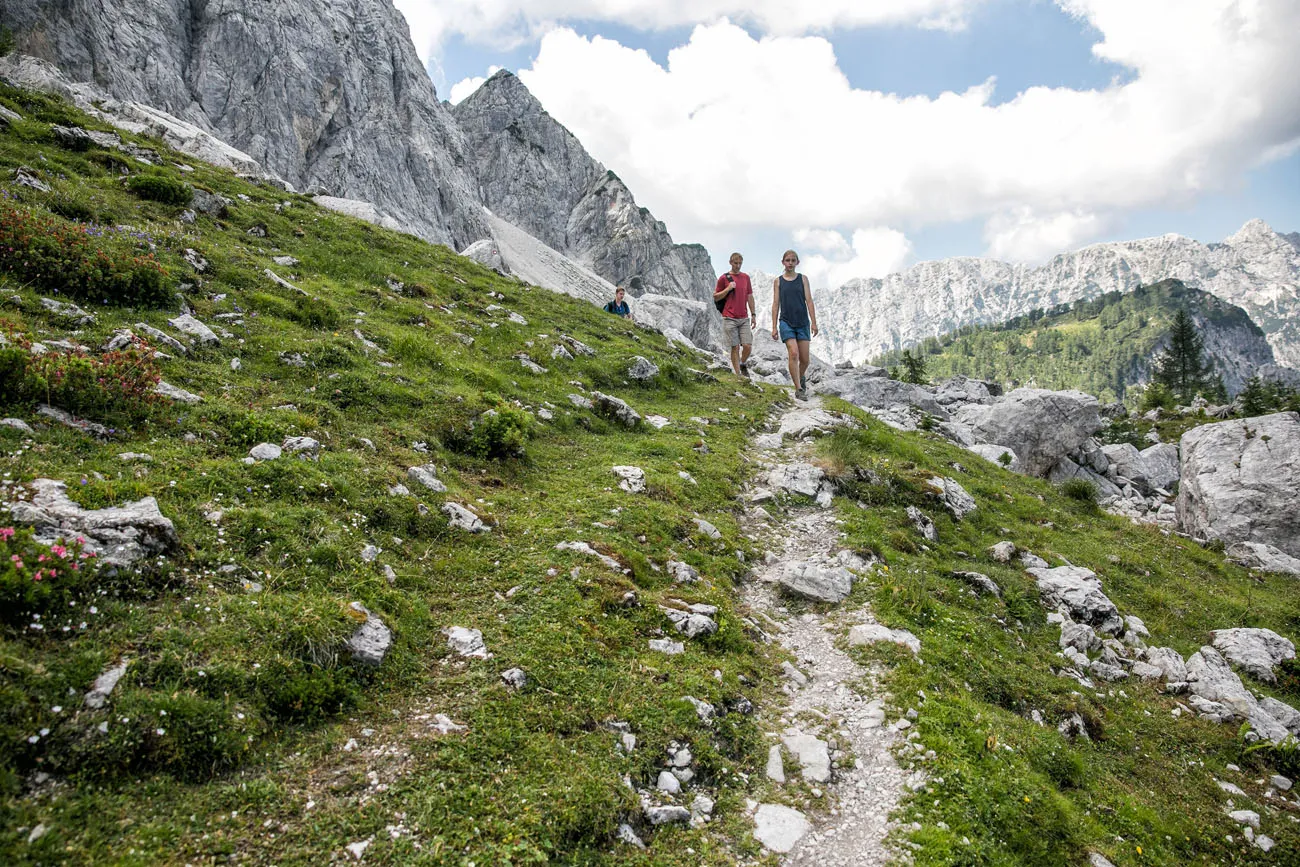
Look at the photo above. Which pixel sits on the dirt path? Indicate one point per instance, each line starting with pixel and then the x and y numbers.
pixel 839 703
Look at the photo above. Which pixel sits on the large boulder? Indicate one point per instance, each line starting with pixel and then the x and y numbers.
pixel 1239 481
pixel 695 319
pixel 1040 426
pixel 117 535
pixel 1211 678
pixel 862 388
pixel 1255 651
pixel 1160 462
pixel 1076 592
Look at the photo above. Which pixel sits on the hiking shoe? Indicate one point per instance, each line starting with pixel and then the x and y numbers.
pixel 744 370
pixel 800 394
pixel 803 384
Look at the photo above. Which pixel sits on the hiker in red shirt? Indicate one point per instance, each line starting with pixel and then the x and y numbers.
pixel 734 297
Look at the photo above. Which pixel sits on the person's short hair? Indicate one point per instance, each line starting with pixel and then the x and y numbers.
pixel 618 289
pixel 735 256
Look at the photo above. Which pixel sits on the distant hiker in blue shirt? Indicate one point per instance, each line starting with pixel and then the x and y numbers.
pixel 618 306
pixel 794 318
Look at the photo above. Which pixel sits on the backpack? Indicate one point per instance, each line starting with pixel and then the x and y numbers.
pixel 722 302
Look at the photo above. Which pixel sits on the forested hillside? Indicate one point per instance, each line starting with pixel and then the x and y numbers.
pixel 1103 347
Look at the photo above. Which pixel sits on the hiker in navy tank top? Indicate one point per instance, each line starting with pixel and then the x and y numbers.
pixel 794 320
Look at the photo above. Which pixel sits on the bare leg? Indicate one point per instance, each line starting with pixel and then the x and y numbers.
pixel 805 359
pixel 792 350
pixel 745 350
pixel 735 359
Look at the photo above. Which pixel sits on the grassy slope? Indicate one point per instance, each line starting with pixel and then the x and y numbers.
pixel 1021 793
pixel 535 777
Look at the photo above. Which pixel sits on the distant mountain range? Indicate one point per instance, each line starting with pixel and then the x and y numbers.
pixel 1256 269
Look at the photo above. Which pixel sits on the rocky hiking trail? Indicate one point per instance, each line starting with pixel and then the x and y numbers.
pixel 832 733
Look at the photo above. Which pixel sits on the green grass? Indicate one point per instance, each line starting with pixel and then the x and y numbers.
pixel 1018 792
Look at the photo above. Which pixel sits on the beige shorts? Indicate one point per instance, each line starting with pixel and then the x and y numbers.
pixel 737 331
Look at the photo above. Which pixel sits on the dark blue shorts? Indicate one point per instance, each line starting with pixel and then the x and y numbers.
pixel 790 332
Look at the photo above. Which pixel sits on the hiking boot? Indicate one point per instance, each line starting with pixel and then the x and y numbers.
pixel 744 369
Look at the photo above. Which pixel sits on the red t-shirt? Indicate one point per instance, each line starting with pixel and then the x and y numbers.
pixel 737 305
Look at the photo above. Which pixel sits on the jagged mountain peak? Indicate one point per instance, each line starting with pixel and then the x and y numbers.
pixel 1254 231
pixel 504 89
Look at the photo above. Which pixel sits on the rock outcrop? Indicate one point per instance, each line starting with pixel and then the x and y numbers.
pixel 1239 480
pixel 534 173
pixel 1039 426
pixel 330 96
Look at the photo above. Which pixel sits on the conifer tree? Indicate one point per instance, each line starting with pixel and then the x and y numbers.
pixel 913 367
pixel 1183 368
pixel 1255 398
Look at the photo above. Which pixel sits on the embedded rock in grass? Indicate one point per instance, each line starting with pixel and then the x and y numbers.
pixel 17 424
pixel 1003 551
pixel 426 475
pixel 67 419
pixel 779 828
pixel 1096 859
pixel 293 359
pixel 461 518
pixel 117 535
pixel 466 642
pixel 668 784
pixel 631 479
pixel 701 810
pixel 515 678
pixel 581 402
pixel 1239 480
pixel 1288 716
pixel 1079 636
pixel 530 365
pixel 1040 426
pixel 373 638
pixel 1210 678
pixel 816 582
pixel 1266 558
pixel 102 688
pixel 615 409
pixel 683 573
pixel 1107 671
pixel 703 709
pixel 813 754
pixel 707 529
pixel 811 422
pixel 162 337
pixel 692 624
pixel 304 447
pixel 488 254
pixel 584 548
pixel 187 324
pixel 579 347
pixel 23 177
pixel 265 452
pixel 800 479
pixel 954 496
pixel 560 353
pixel 626 834
pixel 1076 591
pixel 923 524
pixel 874 633
pixel 119 339
pixel 68 311
pixel 667 646
pixel 1147 671
pixel 982 583
pixel 1257 651
pixel 775 769
pixel 642 369
pixel 179 395
pixel 665 815
pixel 657 422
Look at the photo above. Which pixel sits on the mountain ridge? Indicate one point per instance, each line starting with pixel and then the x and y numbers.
pixel 1255 268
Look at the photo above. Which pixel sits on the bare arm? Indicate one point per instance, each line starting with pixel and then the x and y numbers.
pixel 776 305
pixel 812 311
pixel 719 294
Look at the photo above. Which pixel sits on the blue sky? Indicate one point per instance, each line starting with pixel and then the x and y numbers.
pixel 1181 176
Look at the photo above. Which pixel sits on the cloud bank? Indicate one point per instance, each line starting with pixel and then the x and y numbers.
pixel 772 125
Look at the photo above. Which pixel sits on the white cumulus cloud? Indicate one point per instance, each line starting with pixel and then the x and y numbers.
pixel 463 88
pixel 773 127
pixel 830 260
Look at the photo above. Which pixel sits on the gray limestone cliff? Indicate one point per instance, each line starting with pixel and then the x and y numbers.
pixel 534 173
pixel 331 95
pixel 1256 269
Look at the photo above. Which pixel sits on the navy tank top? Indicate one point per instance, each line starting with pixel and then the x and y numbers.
pixel 794 310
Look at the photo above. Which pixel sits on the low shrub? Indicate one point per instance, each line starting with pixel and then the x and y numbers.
pixel 36 578
pixel 71 209
pixel 85 262
pixel 500 433
pixel 116 386
pixel 305 692
pixel 159 188
pixel 1079 489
